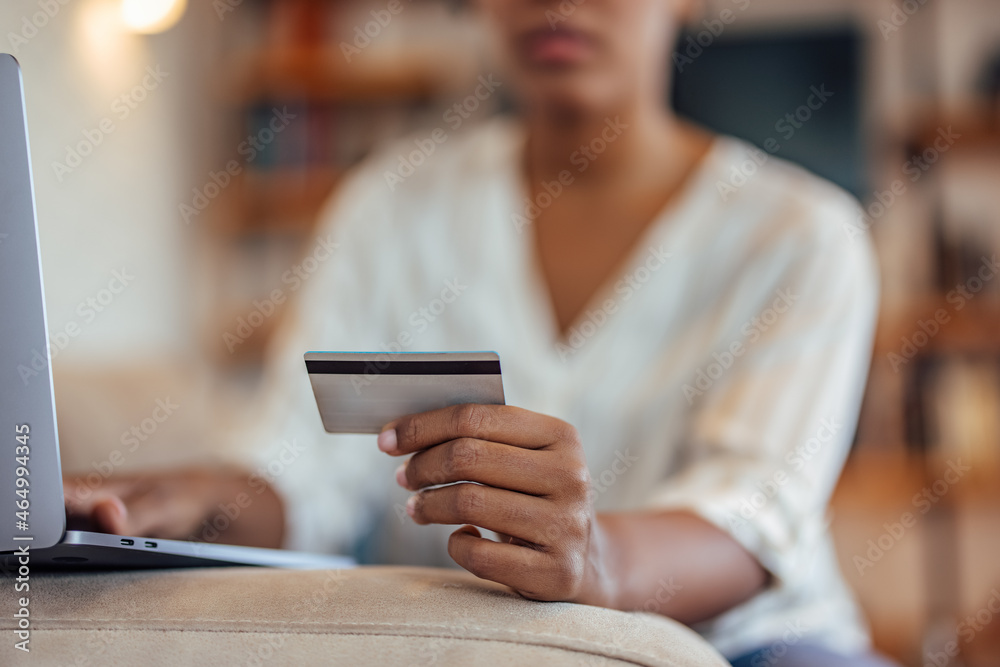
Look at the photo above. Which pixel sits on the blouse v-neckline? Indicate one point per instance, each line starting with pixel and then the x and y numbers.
pixel 668 222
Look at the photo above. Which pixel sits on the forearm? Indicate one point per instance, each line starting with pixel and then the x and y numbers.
pixel 259 513
pixel 671 563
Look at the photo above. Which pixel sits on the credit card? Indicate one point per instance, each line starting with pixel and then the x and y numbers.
pixel 360 392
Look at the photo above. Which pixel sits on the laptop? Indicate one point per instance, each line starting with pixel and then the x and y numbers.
pixel 32 511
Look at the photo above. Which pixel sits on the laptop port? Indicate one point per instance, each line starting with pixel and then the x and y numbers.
pixel 150 545
pixel 127 542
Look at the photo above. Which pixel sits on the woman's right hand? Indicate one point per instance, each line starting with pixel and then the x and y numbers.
pixel 201 504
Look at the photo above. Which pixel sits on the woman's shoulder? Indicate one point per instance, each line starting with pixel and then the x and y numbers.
pixel 781 214
pixel 779 196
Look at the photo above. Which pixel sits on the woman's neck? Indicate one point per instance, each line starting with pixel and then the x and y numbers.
pixel 630 143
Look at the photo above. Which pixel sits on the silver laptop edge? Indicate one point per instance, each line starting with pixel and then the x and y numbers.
pixel 33 509
pixel 26 396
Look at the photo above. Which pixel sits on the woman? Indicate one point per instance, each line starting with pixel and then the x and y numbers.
pixel 693 359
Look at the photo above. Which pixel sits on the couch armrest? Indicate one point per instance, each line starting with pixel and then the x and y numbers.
pixel 363 616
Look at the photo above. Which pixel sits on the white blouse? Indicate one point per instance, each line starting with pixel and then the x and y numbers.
pixel 721 373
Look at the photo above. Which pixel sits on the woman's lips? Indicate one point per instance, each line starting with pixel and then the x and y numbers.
pixel 559 47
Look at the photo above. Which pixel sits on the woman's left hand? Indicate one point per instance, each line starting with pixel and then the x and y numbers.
pixel 522 475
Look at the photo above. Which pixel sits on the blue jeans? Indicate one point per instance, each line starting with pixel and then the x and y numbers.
pixel 807 656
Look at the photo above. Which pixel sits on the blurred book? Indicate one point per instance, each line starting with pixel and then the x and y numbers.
pixel 962 411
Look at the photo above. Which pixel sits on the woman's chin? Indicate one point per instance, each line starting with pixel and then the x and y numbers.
pixel 569 95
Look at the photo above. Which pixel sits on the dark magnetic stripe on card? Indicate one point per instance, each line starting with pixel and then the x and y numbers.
pixel 377 367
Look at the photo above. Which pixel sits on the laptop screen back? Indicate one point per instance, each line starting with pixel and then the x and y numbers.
pixel 31 498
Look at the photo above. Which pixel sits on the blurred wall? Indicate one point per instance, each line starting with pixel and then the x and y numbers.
pixel 109 158
pixel 121 129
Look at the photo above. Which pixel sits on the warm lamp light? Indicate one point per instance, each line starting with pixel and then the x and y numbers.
pixel 152 16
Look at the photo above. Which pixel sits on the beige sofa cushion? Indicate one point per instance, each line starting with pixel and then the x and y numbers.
pixel 365 616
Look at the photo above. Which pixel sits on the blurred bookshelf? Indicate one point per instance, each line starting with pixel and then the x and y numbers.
pixel 933 396
pixel 308 88
pixel 942 334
